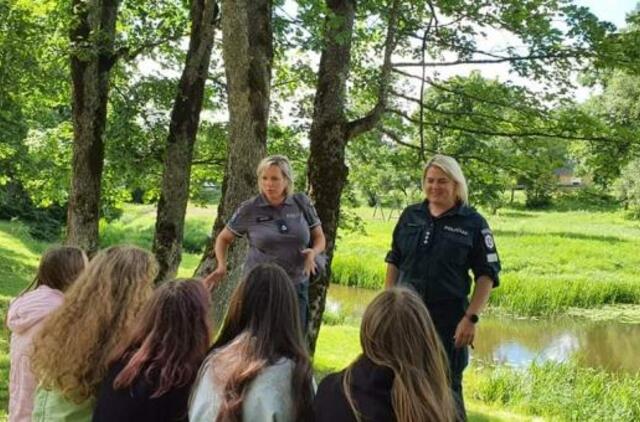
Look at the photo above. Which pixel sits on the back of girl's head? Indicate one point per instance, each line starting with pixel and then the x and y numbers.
pixel 170 339
pixel 71 351
pixel 397 332
pixel 261 327
pixel 265 305
pixel 59 267
pixel 397 329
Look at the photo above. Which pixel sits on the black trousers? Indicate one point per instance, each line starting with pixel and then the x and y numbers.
pixel 446 315
pixel 302 291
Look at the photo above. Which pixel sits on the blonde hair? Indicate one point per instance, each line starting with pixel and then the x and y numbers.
pixel 71 352
pixel 283 164
pixel 452 169
pixel 397 333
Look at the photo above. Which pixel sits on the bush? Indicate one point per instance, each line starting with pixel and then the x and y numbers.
pixel 45 223
pixel 628 188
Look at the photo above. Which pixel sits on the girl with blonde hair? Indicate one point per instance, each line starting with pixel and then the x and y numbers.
pixel 72 351
pixel 400 376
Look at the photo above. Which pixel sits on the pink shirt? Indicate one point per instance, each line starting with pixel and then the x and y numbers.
pixel 26 315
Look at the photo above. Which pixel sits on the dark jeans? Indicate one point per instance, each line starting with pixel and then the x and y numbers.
pixel 445 316
pixel 302 291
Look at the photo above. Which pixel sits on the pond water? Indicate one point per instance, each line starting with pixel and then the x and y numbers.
pixel 610 345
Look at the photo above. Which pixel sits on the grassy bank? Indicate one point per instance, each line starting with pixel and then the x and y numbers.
pixel 562 391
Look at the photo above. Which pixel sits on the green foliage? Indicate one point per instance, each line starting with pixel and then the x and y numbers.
pixel 616 113
pixel 628 188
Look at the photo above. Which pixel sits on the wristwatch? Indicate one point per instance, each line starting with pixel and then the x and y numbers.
pixel 473 318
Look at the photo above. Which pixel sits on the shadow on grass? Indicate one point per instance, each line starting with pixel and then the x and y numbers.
pixel 516 214
pixel 16 270
pixel 560 236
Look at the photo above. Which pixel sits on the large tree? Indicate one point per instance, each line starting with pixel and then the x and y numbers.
pixel 185 117
pixel 248 57
pixel 331 130
pixel 92 57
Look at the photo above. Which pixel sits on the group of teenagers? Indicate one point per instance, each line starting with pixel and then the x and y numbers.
pixel 97 340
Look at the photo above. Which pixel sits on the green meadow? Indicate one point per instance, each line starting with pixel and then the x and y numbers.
pixel 554 261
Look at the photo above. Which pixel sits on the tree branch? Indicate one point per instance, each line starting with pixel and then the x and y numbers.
pixel 521 134
pixel 396 138
pixel 500 59
pixel 209 161
pixel 471 114
pixel 368 122
pixel 535 111
pixel 128 54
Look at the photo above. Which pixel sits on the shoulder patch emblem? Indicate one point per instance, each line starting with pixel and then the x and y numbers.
pixel 488 241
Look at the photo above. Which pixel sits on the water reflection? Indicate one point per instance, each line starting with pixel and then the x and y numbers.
pixel 519 342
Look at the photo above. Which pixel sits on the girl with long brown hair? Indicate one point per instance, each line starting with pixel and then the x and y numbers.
pixel 152 371
pixel 72 351
pixel 259 369
pixel 400 376
pixel 59 267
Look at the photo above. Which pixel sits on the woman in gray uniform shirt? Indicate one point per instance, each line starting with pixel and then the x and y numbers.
pixel 281 227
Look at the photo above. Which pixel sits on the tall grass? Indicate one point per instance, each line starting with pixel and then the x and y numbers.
pixel 561 391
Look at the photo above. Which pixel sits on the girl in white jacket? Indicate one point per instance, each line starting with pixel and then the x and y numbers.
pixel 59 267
pixel 258 369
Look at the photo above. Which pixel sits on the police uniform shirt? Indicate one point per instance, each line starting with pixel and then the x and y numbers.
pixel 434 254
pixel 276 234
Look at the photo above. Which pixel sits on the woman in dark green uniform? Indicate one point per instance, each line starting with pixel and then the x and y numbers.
pixel 435 244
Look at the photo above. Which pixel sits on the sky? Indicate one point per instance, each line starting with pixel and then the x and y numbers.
pixel 613 11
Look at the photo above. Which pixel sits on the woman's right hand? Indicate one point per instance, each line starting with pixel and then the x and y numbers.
pixel 213 279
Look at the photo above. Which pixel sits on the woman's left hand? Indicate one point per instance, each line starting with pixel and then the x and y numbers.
pixel 309 262
pixel 465 333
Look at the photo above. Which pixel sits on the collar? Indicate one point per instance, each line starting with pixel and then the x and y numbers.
pixel 458 209
pixel 261 201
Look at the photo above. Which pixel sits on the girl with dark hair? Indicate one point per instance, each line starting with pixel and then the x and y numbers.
pixel 258 369
pixel 59 267
pixel 401 375
pixel 152 371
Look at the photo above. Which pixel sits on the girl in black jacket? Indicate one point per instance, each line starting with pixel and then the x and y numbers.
pixel 400 376
pixel 152 372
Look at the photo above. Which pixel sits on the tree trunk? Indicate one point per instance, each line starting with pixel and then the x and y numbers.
pixel 328 136
pixel 185 118
pixel 330 132
pixel 248 58
pixel 92 58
